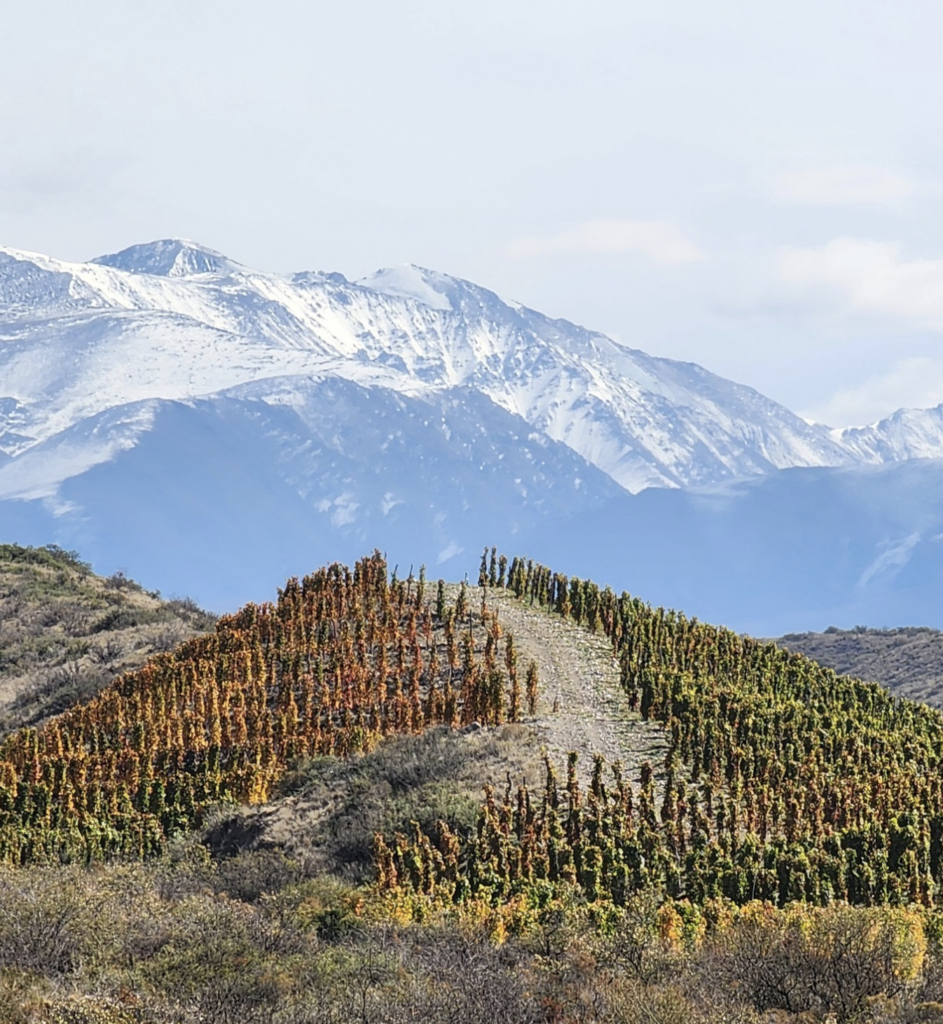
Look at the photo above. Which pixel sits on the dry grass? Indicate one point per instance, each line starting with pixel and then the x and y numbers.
pixel 328 810
pixel 908 661
pixel 65 632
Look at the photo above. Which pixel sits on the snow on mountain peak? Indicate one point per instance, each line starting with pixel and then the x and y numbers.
pixel 174 320
pixel 168 257
pixel 905 434
pixel 411 282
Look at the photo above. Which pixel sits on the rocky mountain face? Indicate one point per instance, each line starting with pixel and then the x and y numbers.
pixel 165 404
pixel 175 321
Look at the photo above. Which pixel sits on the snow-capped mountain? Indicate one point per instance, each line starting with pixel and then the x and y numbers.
pixel 173 320
pixel 210 428
pixel 906 434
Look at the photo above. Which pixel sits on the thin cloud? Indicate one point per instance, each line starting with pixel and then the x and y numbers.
pixel 843 185
pixel 867 285
pixel 894 557
pixel 914 383
pixel 70 178
pixel 661 241
pixel 870 279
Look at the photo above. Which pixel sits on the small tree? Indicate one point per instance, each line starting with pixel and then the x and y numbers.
pixel 530 684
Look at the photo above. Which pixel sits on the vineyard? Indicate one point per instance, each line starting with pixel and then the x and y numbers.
pixel 341 660
pixel 782 782
pixel 762 841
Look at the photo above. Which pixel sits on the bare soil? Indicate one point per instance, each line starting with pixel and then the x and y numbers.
pixel 582 706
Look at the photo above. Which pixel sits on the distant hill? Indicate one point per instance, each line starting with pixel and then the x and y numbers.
pixel 908 661
pixel 65 633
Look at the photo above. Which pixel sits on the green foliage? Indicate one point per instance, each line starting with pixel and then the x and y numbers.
pixel 84 1010
pixel 123 618
pixel 50 555
pixel 783 781
pixel 169 942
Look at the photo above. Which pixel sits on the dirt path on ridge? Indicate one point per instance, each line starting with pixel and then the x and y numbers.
pixel 580 677
pixel 581 707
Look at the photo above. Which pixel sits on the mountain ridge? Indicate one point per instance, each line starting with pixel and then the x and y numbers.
pixel 158 417
pixel 182 321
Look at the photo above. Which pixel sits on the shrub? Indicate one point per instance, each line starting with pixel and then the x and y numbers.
pixel 46 927
pixel 256 873
pixel 830 960
pixel 80 1010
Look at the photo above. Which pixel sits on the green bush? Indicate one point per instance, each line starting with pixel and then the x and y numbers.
pixel 49 555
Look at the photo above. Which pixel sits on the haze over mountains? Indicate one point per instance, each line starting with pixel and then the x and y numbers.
pixel 206 426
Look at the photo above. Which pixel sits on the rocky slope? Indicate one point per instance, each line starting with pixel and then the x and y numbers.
pixel 907 660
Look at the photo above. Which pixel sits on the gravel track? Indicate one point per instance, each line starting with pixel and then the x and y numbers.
pixel 581 704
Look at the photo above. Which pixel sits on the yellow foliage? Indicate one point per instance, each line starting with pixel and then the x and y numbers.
pixel 670 927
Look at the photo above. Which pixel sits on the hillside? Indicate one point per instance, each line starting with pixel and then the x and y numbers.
pixel 280 821
pixel 328 812
pixel 65 633
pixel 344 659
pixel 707 760
pixel 908 661
pixel 783 781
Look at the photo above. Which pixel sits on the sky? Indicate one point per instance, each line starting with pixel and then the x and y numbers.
pixel 754 187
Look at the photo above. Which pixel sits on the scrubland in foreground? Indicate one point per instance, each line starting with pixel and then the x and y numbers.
pixel 255 939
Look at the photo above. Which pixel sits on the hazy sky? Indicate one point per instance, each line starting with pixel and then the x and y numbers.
pixel 757 187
